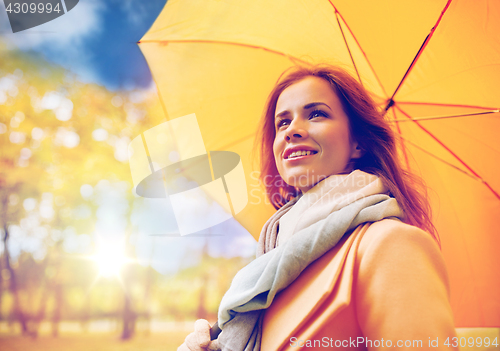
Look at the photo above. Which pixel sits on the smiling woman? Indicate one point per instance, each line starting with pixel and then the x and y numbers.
pixel 351 253
pixel 375 149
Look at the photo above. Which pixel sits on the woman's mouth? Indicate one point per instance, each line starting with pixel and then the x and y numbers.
pixel 300 153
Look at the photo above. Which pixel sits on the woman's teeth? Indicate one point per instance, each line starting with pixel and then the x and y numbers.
pixel 300 153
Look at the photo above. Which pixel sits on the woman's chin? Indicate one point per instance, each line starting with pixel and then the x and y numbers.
pixel 305 184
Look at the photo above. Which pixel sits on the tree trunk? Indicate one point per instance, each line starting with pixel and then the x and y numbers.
pixel 201 312
pixel 18 313
pixel 147 297
pixel 56 317
pixel 1 285
pixel 129 318
pixel 46 286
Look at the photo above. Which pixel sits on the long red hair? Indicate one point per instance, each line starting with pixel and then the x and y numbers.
pixel 368 127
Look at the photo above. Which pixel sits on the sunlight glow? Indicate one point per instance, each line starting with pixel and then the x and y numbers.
pixel 110 259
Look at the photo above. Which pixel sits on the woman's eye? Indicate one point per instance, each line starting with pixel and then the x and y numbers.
pixel 282 122
pixel 317 113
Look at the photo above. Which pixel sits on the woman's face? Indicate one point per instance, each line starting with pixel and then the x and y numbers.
pixel 313 140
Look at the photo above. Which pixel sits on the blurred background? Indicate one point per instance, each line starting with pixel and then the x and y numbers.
pixel 79 265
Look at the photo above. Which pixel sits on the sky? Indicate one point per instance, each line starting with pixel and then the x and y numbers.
pixel 97 40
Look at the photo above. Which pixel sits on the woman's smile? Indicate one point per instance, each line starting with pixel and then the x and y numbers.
pixel 298 151
pixel 299 155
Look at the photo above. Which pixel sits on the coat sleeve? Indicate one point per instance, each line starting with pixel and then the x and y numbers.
pixel 401 289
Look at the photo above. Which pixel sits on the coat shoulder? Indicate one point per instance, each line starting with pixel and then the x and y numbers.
pixel 392 234
pixel 401 284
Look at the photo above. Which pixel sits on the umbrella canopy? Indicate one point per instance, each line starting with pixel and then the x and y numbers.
pixel 433 64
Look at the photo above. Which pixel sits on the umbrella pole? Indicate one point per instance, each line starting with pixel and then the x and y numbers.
pixel 215 331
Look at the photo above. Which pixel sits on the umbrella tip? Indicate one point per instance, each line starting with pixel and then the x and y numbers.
pixel 390 103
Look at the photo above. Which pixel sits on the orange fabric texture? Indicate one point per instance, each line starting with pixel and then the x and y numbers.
pixel 385 281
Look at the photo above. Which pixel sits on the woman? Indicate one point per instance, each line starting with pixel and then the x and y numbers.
pixel 335 169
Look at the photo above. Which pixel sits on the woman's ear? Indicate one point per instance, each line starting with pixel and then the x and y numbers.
pixel 357 151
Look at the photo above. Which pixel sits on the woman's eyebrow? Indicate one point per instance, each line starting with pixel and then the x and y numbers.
pixel 314 104
pixel 281 114
pixel 306 107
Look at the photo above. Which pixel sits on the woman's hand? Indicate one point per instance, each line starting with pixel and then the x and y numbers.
pixel 199 340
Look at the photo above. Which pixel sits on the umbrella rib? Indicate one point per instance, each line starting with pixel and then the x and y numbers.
pixel 445 105
pixel 359 46
pixel 445 116
pixel 452 153
pixel 205 41
pixel 442 160
pixel 347 46
pixel 417 56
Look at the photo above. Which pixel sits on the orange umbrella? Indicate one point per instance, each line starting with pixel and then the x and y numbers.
pixel 434 65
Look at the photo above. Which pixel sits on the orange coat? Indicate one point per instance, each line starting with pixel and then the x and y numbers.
pixel 385 283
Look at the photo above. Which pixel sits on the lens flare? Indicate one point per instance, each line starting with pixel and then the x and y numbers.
pixel 110 259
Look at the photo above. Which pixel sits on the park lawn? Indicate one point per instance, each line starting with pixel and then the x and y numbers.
pixel 168 341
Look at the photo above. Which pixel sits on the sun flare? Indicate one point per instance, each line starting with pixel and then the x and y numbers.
pixel 110 260
pixel 110 264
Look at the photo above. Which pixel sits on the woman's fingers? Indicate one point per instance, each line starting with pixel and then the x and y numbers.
pixel 202 332
pixel 214 346
pixel 192 342
pixel 183 347
pixel 198 340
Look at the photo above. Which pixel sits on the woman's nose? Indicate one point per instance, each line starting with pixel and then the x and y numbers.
pixel 295 130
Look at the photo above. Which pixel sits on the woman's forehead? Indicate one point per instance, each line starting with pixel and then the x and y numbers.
pixel 308 90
